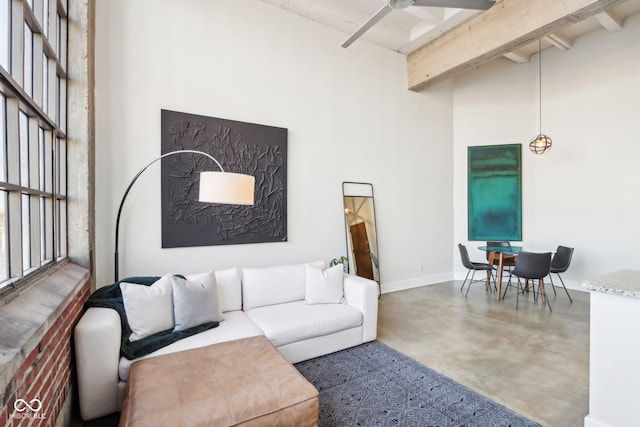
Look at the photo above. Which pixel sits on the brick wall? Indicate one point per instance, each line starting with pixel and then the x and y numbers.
pixel 46 374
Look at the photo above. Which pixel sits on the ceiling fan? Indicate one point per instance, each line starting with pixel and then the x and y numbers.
pixel 403 4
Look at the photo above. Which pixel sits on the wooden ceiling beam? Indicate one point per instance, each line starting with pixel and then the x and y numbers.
pixel 559 40
pixel 519 56
pixel 609 20
pixel 507 26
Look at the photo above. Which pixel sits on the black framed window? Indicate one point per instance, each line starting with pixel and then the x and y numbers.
pixel 33 140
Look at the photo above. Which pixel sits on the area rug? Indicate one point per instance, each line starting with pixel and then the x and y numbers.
pixel 375 385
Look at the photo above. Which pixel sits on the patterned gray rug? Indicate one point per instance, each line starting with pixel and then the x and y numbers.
pixel 375 385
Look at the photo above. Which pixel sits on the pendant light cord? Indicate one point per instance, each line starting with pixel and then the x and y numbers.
pixel 540 82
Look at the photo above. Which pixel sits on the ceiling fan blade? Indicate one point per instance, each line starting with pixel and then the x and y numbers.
pixel 458 4
pixel 370 23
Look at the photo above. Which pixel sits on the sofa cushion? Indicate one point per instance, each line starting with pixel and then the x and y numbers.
pixel 274 285
pixel 149 309
pixel 229 287
pixel 296 321
pixel 195 302
pixel 324 286
pixel 236 325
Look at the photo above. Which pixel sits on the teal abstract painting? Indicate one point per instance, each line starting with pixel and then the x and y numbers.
pixel 495 192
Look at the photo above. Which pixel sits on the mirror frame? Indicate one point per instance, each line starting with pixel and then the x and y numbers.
pixel 364 190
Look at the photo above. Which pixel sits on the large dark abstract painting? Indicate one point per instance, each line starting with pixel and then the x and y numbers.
pixel 495 192
pixel 240 147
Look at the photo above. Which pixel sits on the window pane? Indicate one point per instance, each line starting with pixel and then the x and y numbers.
pixel 57 118
pixel 43 229
pixel 45 18
pixel 28 60
pixel 62 102
pixel 62 41
pixel 61 249
pixel 62 166
pixel 3 138
pixel 5 28
pixel 26 233
pixel 47 230
pixel 58 35
pixel 4 270
pixel 45 83
pixel 41 159
pixel 63 230
pixel 48 155
pixel 24 149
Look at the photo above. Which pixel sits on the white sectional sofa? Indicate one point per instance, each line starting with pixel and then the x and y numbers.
pixel 254 301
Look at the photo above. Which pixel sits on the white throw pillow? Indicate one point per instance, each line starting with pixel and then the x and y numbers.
pixel 229 289
pixel 324 286
pixel 274 285
pixel 149 309
pixel 195 303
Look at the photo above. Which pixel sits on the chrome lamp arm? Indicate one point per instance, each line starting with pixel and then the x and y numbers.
pixel 135 178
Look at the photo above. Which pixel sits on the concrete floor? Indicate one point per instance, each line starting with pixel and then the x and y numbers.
pixel 532 361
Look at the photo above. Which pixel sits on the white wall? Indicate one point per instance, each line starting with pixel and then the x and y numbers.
pixel 349 115
pixel 584 192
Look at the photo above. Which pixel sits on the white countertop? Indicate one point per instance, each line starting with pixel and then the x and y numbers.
pixel 621 282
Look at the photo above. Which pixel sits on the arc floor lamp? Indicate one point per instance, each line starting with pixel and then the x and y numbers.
pixel 215 187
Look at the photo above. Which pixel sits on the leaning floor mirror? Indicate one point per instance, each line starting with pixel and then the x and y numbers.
pixel 360 227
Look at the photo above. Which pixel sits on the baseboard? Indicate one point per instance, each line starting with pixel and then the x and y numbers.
pixel 415 282
pixel 570 284
pixel 399 285
pixel 589 421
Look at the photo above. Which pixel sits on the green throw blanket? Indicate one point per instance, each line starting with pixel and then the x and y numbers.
pixel 111 297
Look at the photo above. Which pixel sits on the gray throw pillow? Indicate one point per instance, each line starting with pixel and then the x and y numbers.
pixel 195 303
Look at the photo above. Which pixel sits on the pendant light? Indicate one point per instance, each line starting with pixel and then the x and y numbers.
pixel 541 143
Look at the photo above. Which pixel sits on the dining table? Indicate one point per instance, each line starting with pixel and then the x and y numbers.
pixel 500 253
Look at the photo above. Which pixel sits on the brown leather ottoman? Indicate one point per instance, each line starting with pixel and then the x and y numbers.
pixel 245 382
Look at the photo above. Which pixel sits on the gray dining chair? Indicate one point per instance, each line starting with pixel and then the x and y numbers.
pixel 472 267
pixel 531 266
pixel 559 264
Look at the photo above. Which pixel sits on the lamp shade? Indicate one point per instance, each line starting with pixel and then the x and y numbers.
pixel 226 188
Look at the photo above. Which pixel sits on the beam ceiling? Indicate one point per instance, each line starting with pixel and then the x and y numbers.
pixel 503 29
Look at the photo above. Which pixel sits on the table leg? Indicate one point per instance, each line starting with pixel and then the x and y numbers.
pixel 500 265
pixel 541 289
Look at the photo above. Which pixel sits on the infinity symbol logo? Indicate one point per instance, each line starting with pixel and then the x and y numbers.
pixel 22 405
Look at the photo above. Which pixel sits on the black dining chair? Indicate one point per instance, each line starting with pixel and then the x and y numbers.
pixel 559 264
pixel 531 266
pixel 472 266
